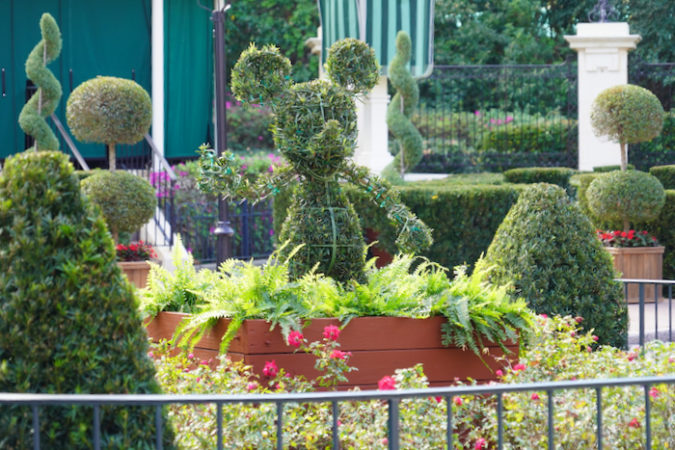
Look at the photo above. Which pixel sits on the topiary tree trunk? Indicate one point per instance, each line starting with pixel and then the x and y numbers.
pixel 68 318
pixel 399 111
pixel 44 102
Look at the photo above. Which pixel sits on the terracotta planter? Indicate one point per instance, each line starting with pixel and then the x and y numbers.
pixel 379 345
pixel 639 263
pixel 136 272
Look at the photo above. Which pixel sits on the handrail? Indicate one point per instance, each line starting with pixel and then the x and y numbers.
pixel 69 141
pixel 160 157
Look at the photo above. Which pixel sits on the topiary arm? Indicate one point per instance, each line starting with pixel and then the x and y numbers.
pixel 225 176
pixel 44 101
pixel 414 235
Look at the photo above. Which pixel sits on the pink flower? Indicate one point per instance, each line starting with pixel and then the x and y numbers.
pixel 595 338
pixel 191 356
pixel 519 366
pixel 480 443
pixel 493 121
pixel 260 138
pixel 438 399
pixel 543 316
pixel 458 401
pixel 228 105
pixel 337 354
pixel 204 362
pixel 331 332
pixel 653 393
pixel 508 119
pixel 270 369
pixel 578 319
pixel 271 232
pixel 634 423
pixel 671 360
pixel 535 396
pixel 295 338
pixel 499 372
pixel 477 113
pixel 150 354
pixel 251 386
pixel 386 383
pixel 631 356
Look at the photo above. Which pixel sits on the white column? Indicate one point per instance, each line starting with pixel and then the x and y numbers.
pixel 603 62
pixel 157 66
pixel 372 148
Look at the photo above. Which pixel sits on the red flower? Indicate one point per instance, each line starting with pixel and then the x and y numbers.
pixel 595 338
pixel 251 386
pixel 480 443
pixel 458 401
pixel 653 393
pixel 631 356
pixel 535 396
pixel 386 383
pixel 337 354
pixel 331 332
pixel 295 338
pixel 578 319
pixel 519 366
pixel 634 423
pixel 270 370
pixel 499 372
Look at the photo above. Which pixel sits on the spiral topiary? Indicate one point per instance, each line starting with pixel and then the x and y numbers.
pixel 110 111
pixel 126 200
pixel 43 102
pixel 68 318
pixel 399 111
pixel 627 114
pixel 315 129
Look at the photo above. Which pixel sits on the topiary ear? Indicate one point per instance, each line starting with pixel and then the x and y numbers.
pixel 352 64
pixel 260 74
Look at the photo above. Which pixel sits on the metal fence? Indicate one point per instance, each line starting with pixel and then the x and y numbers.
pixel 392 398
pixel 652 302
pixel 495 117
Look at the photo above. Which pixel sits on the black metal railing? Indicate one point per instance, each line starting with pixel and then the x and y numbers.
pixel 653 302
pixel 392 398
pixel 494 117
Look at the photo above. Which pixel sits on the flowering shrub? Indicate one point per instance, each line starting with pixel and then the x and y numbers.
pixel 558 351
pixel 630 238
pixel 138 251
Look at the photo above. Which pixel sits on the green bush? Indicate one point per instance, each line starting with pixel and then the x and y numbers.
pixel 126 200
pixel 536 137
pixel 248 128
pixel 68 319
pixel 553 175
pixel 110 111
pixel 665 174
pixel 626 197
pixel 603 169
pixel 547 249
pixel 664 230
pixel 664 144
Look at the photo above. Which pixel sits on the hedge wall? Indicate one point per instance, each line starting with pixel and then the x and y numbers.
pixel 665 174
pixel 464 217
pixel 553 175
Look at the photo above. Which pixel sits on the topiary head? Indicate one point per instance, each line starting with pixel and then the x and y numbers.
pixel 626 197
pixel 109 110
pixel 315 125
pixel 127 201
pixel 627 114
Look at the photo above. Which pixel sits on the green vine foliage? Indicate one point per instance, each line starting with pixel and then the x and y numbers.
pixel 315 129
pixel 44 102
pixel 399 111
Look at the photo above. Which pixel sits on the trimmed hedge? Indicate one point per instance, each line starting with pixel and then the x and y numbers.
pixel 559 176
pixel 536 137
pixel 603 169
pixel 665 174
pixel 463 218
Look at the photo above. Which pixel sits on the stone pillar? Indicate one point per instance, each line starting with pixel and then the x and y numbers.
pixel 603 62
pixel 372 147
pixel 158 78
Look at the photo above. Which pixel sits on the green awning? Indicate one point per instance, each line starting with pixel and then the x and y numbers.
pixel 377 22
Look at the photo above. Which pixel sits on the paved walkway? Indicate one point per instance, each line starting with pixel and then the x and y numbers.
pixel 658 317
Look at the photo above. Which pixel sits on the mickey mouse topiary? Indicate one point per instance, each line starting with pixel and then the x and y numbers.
pixel 315 129
pixel 68 319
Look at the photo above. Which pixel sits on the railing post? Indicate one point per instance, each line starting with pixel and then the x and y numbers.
pixel 36 428
pixel 280 426
pixel 392 425
pixel 158 427
pixel 336 431
pixel 500 421
pixel 449 402
pixel 641 295
pixel 598 408
pixel 648 421
pixel 97 427
pixel 551 440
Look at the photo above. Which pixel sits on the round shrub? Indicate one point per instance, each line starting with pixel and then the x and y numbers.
pixel 665 174
pixel 553 175
pixel 626 197
pixel 547 250
pixel 68 318
pixel 127 201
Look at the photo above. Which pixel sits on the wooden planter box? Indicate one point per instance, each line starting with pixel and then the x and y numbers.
pixel 641 263
pixel 136 272
pixel 379 345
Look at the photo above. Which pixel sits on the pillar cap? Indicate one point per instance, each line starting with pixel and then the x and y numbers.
pixel 603 35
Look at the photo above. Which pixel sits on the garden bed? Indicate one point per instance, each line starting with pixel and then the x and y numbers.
pixel 379 345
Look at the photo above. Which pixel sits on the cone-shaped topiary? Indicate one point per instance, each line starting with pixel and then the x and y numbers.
pixel 547 249
pixel 315 129
pixel 110 111
pixel 399 111
pixel 126 200
pixel 627 114
pixel 626 197
pixel 68 318
pixel 44 102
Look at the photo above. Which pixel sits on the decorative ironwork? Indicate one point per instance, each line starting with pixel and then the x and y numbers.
pixel 603 12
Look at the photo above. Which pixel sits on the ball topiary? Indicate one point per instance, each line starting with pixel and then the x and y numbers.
pixel 110 111
pixel 126 200
pixel 627 114
pixel 68 318
pixel 45 100
pixel 399 111
pixel 547 250
pixel 626 197
pixel 315 129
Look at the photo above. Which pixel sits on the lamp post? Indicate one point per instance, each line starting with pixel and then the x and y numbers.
pixel 223 230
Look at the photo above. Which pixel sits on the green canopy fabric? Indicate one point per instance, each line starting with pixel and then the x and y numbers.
pixel 377 22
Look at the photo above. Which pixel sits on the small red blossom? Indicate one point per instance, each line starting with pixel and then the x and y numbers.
pixel 438 399
pixel 295 338
pixel 631 356
pixel 337 354
pixel 578 319
pixel 480 443
pixel 499 372
pixel 331 332
pixel 204 363
pixel 519 366
pixel 653 393
pixel 535 396
pixel 595 338
pixel 251 386
pixel 270 369
pixel 543 316
pixel 634 423
pixel 458 401
pixel 191 356
pixel 386 383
